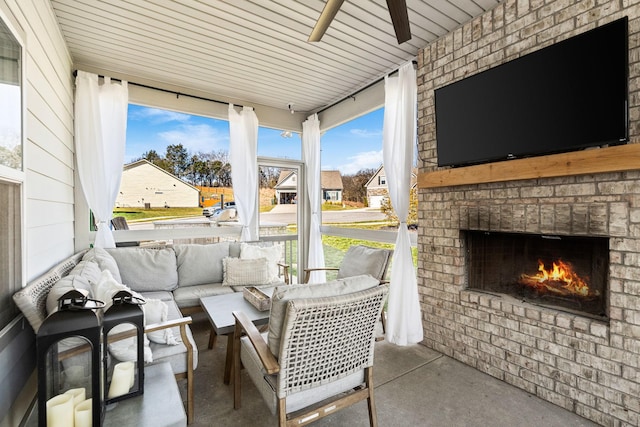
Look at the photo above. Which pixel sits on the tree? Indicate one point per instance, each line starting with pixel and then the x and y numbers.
pixel 178 158
pixel 354 189
pixel 390 213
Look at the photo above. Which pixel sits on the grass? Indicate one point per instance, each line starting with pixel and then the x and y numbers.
pixel 141 214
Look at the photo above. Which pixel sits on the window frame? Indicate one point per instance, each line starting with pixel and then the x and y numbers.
pixel 17 177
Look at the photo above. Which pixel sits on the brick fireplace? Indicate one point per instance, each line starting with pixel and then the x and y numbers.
pixel 587 361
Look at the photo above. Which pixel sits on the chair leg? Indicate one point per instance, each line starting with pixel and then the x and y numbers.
pixel 236 366
pixel 371 404
pixel 282 413
pixel 383 320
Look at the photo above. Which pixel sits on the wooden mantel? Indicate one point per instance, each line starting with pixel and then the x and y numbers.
pixel 610 159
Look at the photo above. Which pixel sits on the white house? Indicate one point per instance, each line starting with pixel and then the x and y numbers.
pixel 147 185
pixel 287 186
pixel 377 187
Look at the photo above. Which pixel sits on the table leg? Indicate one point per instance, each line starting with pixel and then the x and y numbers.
pixel 212 338
pixel 229 361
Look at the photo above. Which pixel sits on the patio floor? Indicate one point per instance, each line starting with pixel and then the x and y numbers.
pixel 415 386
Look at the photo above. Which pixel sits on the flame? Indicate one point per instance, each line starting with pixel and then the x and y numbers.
pixel 560 279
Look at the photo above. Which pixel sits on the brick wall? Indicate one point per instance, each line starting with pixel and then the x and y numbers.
pixel 583 365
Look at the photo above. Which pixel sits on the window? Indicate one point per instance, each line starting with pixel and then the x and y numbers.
pixel 11 175
pixel 382 180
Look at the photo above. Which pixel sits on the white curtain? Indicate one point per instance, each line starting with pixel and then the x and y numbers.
pixel 100 135
pixel 243 154
pixel 404 325
pixel 311 158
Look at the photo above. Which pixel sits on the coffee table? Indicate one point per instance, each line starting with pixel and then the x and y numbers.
pixel 219 309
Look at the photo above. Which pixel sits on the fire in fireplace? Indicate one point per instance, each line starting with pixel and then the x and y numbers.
pixel 565 272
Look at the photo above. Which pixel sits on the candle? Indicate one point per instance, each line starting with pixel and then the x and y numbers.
pixel 83 414
pixel 79 394
pixel 121 380
pixel 60 411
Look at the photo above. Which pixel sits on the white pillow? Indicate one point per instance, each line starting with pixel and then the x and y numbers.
pixel 106 287
pixel 272 253
pixel 126 350
pixel 156 311
pixel 104 260
pixel 243 272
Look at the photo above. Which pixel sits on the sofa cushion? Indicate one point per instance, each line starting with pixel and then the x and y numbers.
pixel 189 296
pixel 241 272
pixel 106 288
pixel 127 349
pixel 64 285
pixel 200 264
pixel 104 260
pixel 147 269
pixel 282 294
pixel 273 254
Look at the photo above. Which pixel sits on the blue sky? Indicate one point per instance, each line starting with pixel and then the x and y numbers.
pixel 348 148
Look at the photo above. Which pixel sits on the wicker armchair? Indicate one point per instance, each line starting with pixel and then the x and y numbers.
pixel 304 382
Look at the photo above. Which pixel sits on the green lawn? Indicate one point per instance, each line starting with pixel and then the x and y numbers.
pixel 141 214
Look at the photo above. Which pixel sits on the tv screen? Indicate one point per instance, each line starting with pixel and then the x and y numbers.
pixel 567 96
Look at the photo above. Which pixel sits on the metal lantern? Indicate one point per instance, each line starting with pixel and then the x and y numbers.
pixel 123 327
pixel 69 355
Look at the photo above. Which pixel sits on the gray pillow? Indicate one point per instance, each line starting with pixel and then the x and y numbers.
pixel 145 270
pixel 282 294
pixel 364 260
pixel 200 264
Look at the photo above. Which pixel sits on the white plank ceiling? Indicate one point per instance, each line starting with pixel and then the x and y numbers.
pixel 253 51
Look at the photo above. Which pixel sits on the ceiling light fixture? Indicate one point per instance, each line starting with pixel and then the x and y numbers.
pixel 286 134
pixel 290 107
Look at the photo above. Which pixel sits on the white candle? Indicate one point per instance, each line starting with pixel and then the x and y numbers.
pixel 83 413
pixel 60 411
pixel 79 394
pixel 121 380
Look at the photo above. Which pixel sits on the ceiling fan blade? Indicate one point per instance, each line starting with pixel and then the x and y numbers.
pixel 400 19
pixel 327 15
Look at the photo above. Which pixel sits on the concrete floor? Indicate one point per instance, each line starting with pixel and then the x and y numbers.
pixel 415 386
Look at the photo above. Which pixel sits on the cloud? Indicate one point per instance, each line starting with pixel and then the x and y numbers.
pixel 362 160
pixel 366 133
pixel 196 138
pixel 157 116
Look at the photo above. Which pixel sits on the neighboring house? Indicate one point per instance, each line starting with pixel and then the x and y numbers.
pixel 287 186
pixel 146 185
pixel 377 187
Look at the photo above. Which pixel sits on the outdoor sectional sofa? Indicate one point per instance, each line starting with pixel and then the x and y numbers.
pixel 177 276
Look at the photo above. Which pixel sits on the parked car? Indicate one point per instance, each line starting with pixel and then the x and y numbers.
pixel 224 215
pixel 209 211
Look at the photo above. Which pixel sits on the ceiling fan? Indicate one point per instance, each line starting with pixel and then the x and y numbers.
pixel 397 10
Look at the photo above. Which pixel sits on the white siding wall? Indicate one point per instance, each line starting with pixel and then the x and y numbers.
pixel 49 149
pixel 147 184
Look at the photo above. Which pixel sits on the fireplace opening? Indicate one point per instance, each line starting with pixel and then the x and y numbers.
pixel 569 273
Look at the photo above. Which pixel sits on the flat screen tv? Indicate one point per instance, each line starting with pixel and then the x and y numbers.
pixel 567 96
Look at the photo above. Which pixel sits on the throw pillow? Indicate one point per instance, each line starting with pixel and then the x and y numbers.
pixel 104 260
pixel 243 272
pixel 272 253
pixel 126 350
pixel 282 294
pixel 156 311
pixel 63 286
pixel 90 270
pixel 106 287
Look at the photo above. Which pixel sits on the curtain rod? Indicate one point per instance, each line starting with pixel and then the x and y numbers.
pixel 178 94
pixel 353 95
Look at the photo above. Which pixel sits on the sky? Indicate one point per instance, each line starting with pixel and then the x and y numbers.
pixel 348 148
